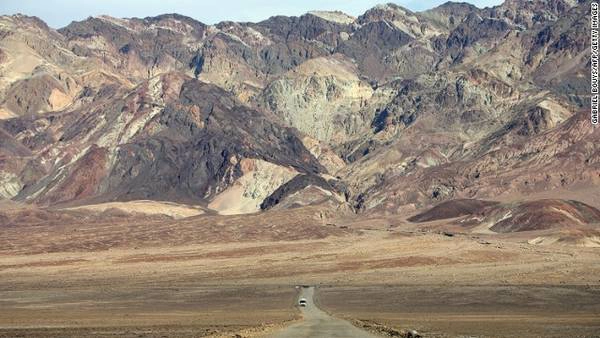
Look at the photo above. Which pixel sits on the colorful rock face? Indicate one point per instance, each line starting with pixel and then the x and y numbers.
pixel 390 111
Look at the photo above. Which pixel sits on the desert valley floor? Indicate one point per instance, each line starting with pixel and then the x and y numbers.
pixel 152 276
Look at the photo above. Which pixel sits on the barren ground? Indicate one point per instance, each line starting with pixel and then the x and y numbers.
pixel 471 310
pixel 216 275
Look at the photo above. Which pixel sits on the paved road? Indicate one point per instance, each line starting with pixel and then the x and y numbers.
pixel 317 323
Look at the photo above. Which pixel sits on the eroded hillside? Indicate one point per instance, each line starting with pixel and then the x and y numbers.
pixel 393 110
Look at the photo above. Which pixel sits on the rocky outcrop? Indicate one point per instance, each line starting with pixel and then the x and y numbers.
pixel 322 98
pixel 542 215
pixel 247 194
pixel 452 209
pixel 304 190
pixel 540 221
pixel 170 124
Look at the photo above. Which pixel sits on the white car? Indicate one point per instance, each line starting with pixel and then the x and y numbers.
pixel 302 302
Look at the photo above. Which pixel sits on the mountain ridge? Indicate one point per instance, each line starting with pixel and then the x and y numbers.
pixel 395 110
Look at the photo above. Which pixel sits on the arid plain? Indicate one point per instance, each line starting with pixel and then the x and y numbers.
pixel 113 274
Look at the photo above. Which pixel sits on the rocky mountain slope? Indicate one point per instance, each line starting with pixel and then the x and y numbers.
pixel 543 221
pixel 388 112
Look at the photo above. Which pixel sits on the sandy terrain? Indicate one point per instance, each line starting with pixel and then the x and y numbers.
pixel 143 309
pixel 471 310
pixel 212 275
pixel 174 210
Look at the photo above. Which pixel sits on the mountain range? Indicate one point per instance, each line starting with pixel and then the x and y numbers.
pixel 389 112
